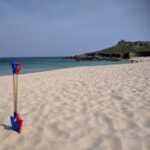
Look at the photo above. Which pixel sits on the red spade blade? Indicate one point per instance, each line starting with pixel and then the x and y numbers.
pixel 19 122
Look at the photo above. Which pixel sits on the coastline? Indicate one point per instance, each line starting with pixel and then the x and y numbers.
pixel 139 59
pixel 98 107
pixel 40 64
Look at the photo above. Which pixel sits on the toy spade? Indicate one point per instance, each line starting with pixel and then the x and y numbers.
pixel 15 119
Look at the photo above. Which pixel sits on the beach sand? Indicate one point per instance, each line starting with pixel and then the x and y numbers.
pixel 85 108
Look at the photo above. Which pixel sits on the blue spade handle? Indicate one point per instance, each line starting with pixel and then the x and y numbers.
pixel 14 67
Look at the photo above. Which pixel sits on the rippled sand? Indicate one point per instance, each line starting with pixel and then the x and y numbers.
pixel 86 108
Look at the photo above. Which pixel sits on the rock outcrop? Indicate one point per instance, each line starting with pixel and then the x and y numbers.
pixel 123 50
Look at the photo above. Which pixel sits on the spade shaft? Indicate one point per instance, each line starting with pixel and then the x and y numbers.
pixel 15 92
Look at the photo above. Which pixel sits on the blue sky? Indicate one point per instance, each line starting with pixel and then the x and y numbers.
pixel 69 27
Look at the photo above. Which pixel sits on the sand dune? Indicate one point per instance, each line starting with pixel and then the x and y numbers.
pixel 86 108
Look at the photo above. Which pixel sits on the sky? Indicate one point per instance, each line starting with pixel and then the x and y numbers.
pixel 70 27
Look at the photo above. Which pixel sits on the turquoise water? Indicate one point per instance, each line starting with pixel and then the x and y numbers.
pixel 38 64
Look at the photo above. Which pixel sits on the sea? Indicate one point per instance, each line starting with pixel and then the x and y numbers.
pixel 40 64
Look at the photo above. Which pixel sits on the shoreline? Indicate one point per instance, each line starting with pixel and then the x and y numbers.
pixel 139 59
pixel 128 61
pixel 30 72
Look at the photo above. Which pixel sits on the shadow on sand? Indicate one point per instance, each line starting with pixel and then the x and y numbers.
pixel 6 127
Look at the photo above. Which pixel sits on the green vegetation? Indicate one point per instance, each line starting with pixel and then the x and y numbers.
pixel 124 49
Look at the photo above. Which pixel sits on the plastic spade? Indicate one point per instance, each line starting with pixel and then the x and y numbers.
pixel 15 119
pixel 14 123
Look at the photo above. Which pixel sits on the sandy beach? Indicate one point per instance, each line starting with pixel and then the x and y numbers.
pixel 85 108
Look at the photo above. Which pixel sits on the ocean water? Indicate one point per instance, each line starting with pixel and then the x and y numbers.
pixel 38 64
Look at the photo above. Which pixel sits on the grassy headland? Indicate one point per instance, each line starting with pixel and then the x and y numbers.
pixel 123 50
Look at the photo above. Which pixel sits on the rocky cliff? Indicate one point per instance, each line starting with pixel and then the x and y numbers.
pixel 122 50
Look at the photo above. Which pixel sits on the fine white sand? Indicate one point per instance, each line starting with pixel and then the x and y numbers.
pixel 86 108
